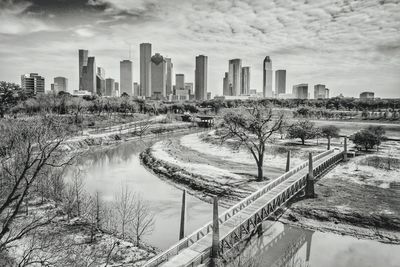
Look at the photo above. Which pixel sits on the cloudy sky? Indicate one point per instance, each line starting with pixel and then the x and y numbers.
pixel 351 46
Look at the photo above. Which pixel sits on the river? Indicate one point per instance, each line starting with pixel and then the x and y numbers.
pixel 109 168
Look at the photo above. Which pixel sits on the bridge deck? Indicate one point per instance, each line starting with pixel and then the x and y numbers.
pixel 195 250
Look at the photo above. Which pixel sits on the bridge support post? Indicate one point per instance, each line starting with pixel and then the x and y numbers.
pixel 288 161
pixel 345 149
pixel 329 142
pixel 215 235
pixel 183 216
pixel 310 178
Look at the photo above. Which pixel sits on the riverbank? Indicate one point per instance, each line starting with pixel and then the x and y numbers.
pixel 355 198
pixel 75 242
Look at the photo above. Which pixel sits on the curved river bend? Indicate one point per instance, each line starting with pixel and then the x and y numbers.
pixel 107 169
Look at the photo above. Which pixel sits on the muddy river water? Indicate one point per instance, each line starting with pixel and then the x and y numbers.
pixel 109 168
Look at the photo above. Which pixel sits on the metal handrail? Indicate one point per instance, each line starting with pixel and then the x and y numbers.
pixel 184 243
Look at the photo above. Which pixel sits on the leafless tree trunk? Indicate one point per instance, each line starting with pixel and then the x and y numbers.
pixel 125 208
pixel 143 222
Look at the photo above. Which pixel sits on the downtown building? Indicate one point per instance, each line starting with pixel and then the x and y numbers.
pixel 170 67
pixel 158 77
pixel 225 84
pixel 320 91
pixel 126 77
pixel 300 91
pixel 280 82
pixel 89 76
pixel 100 81
pixel 200 76
pixel 367 95
pixel 110 87
pixel 181 92
pixel 267 77
pixel 33 83
pixel 245 81
pixel 60 85
pixel 145 69
pixel 234 77
pixel 83 60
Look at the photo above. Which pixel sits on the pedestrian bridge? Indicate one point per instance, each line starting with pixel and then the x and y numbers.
pixel 241 220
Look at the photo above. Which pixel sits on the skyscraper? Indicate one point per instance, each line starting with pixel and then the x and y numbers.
pixel 179 81
pixel 201 77
pixel 280 82
pixel 60 84
pixel 267 77
pixel 100 81
pixel 117 89
pixel 110 87
pixel 145 69
pixel 32 83
pixel 89 72
pixel 245 81
pixel 226 84
pixel 170 67
pixel 300 91
pixel 234 76
pixel 158 76
pixel 189 87
pixel 319 91
pixel 126 80
pixel 83 58
pixel 136 89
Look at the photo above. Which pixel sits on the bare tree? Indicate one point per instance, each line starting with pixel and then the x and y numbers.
pixel 252 127
pixel 125 208
pixel 143 222
pixel 29 149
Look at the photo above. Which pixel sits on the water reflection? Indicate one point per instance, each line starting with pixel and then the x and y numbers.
pixel 286 246
pixel 108 168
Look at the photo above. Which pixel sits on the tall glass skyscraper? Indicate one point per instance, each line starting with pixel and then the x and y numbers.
pixel 245 81
pixel 280 82
pixel 158 76
pixel 234 76
pixel 126 79
pixel 83 59
pixel 267 77
pixel 145 69
pixel 200 76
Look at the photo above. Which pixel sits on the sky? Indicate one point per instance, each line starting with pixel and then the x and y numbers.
pixel 351 46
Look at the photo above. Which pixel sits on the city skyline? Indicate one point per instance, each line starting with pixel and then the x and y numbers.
pixel 345 53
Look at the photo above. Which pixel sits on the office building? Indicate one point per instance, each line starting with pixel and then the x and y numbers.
pixel 300 91
pixel 267 77
pixel 136 89
pixel 225 83
pixel 189 87
pixel 83 59
pixel 170 68
pixel 89 73
pixel 208 95
pixel 110 87
pixel 280 82
pixel 158 77
pixel 179 82
pixel 234 76
pixel 60 85
pixel 100 81
pixel 32 83
pixel 367 95
pixel 320 91
pixel 126 78
pixel 326 92
pixel 201 77
pixel 245 81
pixel 145 69
pixel 117 93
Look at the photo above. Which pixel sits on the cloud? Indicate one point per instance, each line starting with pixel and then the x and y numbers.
pixel 317 41
pixel 14 21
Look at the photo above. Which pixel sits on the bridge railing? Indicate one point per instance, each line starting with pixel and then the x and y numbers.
pixel 207 228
